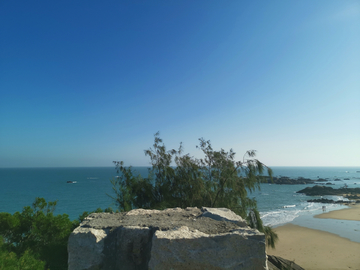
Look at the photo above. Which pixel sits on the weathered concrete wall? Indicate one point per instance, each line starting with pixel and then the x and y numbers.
pixel 171 239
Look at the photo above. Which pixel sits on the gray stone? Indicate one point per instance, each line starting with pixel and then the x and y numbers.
pixel 170 239
pixel 128 248
pixel 278 263
pixel 183 248
pixel 85 248
pixel 223 214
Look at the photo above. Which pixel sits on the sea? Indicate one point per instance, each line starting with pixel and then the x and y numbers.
pixel 90 189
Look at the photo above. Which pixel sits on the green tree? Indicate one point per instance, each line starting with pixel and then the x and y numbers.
pixel 10 261
pixel 216 180
pixel 36 233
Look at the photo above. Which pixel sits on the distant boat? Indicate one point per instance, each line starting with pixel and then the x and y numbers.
pixel 71 182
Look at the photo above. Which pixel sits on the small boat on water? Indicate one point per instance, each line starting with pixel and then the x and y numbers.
pixel 71 182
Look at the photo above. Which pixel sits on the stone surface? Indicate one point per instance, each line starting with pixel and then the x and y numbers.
pixel 278 263
pixel 170 239
pixel 85 248
pixel 223 214
pixel 183 248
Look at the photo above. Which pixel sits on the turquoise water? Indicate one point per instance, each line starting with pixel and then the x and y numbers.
pixel 278 204
pixel 19 187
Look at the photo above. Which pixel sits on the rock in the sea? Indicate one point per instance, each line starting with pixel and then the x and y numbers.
pixel 322 190
pixel 171 239
pixel 322 200
pixel 288 181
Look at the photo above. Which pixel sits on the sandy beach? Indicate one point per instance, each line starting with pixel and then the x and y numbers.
pixel 352 213
pixel 315 249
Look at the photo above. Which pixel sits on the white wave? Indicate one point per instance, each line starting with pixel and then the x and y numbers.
pixel 289 212
pixel 289 206
pixel 275 218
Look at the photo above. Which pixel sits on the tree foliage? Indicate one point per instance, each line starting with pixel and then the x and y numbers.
pixel 10 261
pixel 216 180
pixel 37 234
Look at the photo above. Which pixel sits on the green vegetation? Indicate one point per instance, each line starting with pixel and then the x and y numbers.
pixel 35 237
pixel 9 260
pixel 217 180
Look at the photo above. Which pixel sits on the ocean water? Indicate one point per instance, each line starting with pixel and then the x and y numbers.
pixel 278 204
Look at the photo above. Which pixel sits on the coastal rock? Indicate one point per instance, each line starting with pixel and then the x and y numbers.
pixel 85 248
pixel 223 214
pixel 288 181
pixel 322 190
pixel 171 239
pixel 278 263
pixel 184 248
pixel 322 200
pixel 321 180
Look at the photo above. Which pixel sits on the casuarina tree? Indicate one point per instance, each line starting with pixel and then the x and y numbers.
pixel 180 180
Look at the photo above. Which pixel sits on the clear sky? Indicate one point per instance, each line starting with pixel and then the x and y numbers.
pixel 84 83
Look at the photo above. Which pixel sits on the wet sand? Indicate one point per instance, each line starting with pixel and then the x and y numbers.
pixel 352 213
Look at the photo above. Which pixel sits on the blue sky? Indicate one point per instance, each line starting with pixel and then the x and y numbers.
pixel 84 83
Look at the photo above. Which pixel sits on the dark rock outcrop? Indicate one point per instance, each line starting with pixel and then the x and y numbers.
pixel 322 200
pixel 322 190
pixel 289 181
pixel 321 180
pixel 278 263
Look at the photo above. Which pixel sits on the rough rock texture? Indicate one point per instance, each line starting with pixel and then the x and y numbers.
pixel 223 214
pixel 171 239
pixel 184 248
pixel 87 241
pixel 278 263
pixel 322 190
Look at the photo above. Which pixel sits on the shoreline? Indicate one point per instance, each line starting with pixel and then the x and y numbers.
pixel 351 213
pixel 317 249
